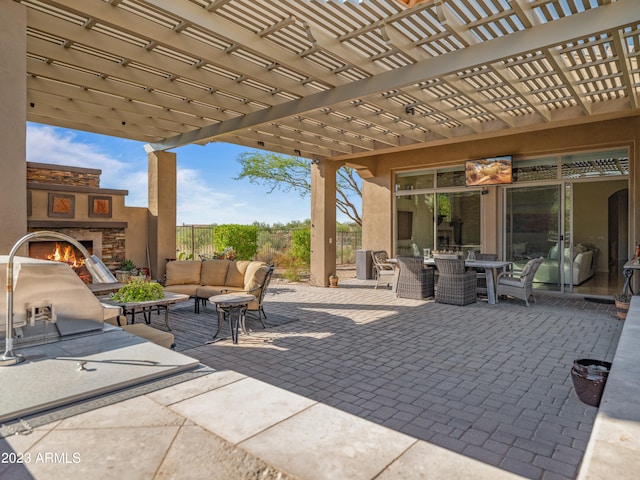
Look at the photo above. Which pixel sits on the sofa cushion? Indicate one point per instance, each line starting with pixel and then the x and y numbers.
pixel 183 273
pixel 164 339
pixel 182 289
pixel 212 290
pixel 254 276
pixel 214 272
pixel 235 274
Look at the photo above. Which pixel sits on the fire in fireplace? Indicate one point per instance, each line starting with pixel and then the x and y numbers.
pixel 66 254
pixel 63 252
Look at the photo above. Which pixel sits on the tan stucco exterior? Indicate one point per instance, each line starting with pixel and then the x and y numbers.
pixel 40 204
pixel 136 235
pixel 162 216
pixel 323 222
pixel 13 99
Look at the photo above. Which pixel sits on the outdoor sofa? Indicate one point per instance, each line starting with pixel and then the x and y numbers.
pixel 203 279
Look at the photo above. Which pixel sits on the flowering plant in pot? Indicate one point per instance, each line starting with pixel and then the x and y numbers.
pixel 333 280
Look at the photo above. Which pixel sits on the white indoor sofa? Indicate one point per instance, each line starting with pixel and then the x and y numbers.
pixel 585 260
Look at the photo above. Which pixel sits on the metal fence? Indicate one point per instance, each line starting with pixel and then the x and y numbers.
pixel 195 240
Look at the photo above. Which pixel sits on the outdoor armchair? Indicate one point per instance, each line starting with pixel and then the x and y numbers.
pixel 456 285
pixel 382 268
pixel 258 289
pixel 519 285
pixel 414 279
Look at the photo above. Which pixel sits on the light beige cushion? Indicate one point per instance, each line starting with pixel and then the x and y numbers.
pixel 211 290
pixel 254 276
pixel 235 274
pixel 183 273
pixel 182 289
pixel 164 339
pixel 214 272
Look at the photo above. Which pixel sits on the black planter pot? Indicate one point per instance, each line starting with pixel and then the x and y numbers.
pixel 589 377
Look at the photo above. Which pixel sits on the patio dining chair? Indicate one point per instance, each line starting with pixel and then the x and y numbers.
pixel 414 279
pixel 456 285
pixel 482 276
pixel 382 268
pixel 519 285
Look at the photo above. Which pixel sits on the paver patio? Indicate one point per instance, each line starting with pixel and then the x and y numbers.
pixel 351 383
pixel 488 381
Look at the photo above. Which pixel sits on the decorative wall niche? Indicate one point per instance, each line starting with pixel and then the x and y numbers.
pixel 61 205
pixel 100 206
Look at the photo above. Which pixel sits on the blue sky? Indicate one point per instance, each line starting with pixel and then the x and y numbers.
pixel 206 190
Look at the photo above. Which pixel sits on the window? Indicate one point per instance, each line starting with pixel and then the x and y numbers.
pixel 596 164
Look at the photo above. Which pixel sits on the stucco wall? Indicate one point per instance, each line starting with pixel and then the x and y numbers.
pixel 136 235
pixel 13 98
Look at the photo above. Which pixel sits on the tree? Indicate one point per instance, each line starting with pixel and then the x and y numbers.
pixel 286 173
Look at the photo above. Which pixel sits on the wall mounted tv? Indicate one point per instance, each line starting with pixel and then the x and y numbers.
pixel 488 171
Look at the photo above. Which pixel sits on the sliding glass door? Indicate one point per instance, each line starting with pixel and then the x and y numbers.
pixel 536 218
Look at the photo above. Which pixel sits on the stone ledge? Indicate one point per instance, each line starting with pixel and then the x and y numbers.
pixel 74 224
pixel 614 446
pixel 53 187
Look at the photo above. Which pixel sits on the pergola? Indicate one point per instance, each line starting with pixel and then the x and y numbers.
pixel 334 81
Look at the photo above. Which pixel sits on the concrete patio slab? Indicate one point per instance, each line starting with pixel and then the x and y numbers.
pixel 183 391
pixel 324 443
pixel 356 383
pixel 241 409
pixel 424 460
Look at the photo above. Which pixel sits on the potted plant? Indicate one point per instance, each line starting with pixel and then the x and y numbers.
pixel 127 270
pixel 229 253
pixel 333 280
pixel 623 300
pixel 138 290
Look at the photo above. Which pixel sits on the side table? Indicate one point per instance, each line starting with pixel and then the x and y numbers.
pixel 233 305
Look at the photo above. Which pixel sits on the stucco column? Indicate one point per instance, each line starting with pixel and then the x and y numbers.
pixel 377 213
pixel 13 101
pixel 162 210
pixel 323 222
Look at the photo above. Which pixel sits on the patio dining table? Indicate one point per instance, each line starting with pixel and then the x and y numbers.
pixel 491 267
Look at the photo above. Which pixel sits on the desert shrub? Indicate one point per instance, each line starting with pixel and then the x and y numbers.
pixel 242 238
pixel 301 245
pixel 294 269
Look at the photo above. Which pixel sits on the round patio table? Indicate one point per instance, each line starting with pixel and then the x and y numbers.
pixel 234 306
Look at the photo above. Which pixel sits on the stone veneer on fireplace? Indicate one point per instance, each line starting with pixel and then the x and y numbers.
pixel 69 200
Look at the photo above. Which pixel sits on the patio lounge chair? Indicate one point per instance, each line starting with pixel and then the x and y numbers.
pixel 414 279
pixel 381 268
pixel 456 286
pixel 519 286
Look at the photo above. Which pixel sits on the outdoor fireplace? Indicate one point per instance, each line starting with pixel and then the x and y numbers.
pixel 65 252
pixel 69 200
